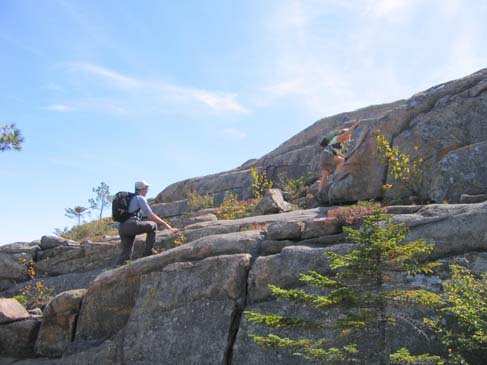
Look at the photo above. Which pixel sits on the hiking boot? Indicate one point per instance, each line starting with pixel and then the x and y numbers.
pixel 149 253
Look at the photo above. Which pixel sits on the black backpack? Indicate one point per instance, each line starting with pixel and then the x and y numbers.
pixel 120 206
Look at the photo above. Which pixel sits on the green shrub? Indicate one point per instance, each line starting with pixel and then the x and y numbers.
pixel 260 184
pixel 232 208
pixel 180 239
pixel 91 230
pixel 197 202
pixel 291 187
pixel 403 168
pixel 461 318
pixel 36 294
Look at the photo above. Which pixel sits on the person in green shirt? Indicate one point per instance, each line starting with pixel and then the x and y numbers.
pixel 332 157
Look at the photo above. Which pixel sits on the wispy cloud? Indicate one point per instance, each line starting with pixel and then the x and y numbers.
pixel 149 94
pixel 331 56
pixel 390 10
pixel 59 108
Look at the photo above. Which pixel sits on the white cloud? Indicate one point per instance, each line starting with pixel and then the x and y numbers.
pixel 59 108
pixel 168 95
pixel 392 10
pixel 115 78
pixel 332 56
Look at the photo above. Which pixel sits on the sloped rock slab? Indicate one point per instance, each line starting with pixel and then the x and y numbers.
pixel 110 299
pixel 454 229
pixel 185 313
pixel 58 324
pixel 17 338
pixel 471 199
pixel 11 310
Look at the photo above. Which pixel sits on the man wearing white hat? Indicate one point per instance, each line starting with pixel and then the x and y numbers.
pixel 143 220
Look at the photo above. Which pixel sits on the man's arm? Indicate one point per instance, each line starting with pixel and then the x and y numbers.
pixel 160 221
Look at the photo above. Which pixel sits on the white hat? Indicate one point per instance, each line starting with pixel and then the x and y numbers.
pixel 139 185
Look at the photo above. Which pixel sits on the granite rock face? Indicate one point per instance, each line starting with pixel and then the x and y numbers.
pixel 272 203
pixel 446 125
pixel 58 324
pixel 185 305
pixel 17 339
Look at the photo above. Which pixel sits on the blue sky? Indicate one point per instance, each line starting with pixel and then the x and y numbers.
pixel 117 91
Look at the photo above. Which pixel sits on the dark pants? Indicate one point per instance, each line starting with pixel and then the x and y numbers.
pixel 128 230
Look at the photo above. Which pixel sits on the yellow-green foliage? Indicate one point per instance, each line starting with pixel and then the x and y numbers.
pixel 180 239
pixel 291 187
pixel 36 294
pixel 403 357
pixel 197 202
pixel 402 167
pixel 91 230
pixel 260 184
pixel 232 208
pixel 461 318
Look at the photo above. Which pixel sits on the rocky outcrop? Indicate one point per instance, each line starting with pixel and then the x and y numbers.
pixel 446 123
pixel 294 158
pixel 17 338
pixel 185 305
pixel 58 325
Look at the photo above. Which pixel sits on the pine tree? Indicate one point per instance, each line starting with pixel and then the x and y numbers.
pixel 359 290
pixel 76 212
pixel 103 198
pixel 10 138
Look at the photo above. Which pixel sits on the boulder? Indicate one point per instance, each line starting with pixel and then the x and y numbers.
pixel 454 229
pixel 109 301
pixel 191 308
pixel 284 268
pixel 11 310
pixel 318 228
pixel 17 338
pixel 470 199
pixel 200 218
pixel 272 202
pixel 461 171
pixel 27 250
pixel 55 241
pixel 271 247
pixel 171 209
pixel 85 257
pixel 108 352
pixel 11 269
pixel 235 181
pixel 285 231
pixel 58 325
